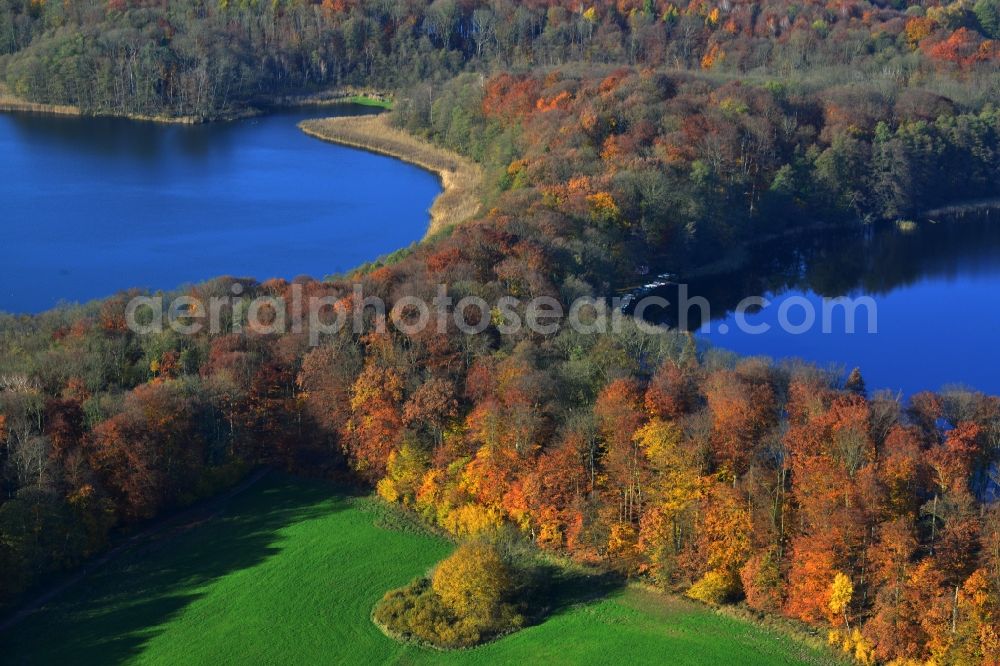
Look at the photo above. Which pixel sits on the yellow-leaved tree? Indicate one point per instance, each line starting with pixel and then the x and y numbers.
pixel 473 583
pixel 841 593
pixel 672 495
pixel 851 642
pixel 465 602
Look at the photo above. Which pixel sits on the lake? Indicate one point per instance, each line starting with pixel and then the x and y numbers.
pixel 92 206
pixel 935 290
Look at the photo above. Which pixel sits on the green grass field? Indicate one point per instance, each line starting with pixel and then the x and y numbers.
pixel 288 574
pixel 365 100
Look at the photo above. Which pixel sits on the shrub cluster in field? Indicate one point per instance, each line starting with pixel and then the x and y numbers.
pixel 466 601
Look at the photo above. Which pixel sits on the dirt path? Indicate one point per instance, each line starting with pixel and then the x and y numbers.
pixel 166 528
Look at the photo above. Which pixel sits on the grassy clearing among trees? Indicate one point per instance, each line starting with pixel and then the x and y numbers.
pixel 289 573
pixel 366 100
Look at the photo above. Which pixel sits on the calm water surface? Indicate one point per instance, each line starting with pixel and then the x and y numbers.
pixel 937 291
pixel 90 206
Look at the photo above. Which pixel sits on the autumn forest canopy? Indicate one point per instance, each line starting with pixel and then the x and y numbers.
pixel 613 137
pixel 207 58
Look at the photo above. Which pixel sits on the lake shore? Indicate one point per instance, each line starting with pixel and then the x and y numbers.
pixel 11 103
pixel 333 97
pixel 961 208
pixel 461 178
pixel 735 258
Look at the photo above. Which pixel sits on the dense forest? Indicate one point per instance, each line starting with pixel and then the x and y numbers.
pixel 209 58
pixel 620 136
pixel 671 169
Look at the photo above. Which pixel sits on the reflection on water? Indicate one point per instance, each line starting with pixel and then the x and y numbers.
pixel 936 287
pixel 91 206
pixel 144 141
pixel 874 261
pixel 114 137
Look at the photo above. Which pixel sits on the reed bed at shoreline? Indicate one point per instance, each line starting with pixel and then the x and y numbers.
pixel 960 208
pixel 12 103
pixel 461 178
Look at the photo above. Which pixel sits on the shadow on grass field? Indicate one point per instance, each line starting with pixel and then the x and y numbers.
pixel 556 589
pixel 289 572
pixel 109 616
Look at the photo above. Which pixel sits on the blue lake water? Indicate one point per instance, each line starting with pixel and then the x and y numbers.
pixel 91 206
pixel 936 292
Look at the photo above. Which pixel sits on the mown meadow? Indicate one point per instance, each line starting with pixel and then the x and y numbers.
pixel 288 571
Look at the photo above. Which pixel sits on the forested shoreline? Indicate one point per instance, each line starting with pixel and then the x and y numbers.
pixel 614 138
pixel 208 59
